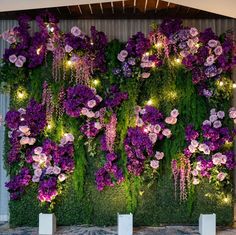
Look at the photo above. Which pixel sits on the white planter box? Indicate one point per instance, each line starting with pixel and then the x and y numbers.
pixel 207 224
pixel 47 224
pixel 125 224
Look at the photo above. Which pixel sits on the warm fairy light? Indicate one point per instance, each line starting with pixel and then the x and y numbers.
pixel 226 199
pixel 39 50
pixel 69 63
pixel 150 102
pixel 221 83
pixel 145 130
pixel 141 193
pixel 197 45
pixel 51 29
pixel 49 127
pixel 91 42
pixel 96 82
pixel 22 119
pixel 158 45
pixel 153 64
pixel 20 95
pixel 234 85
pixel 178 60
pixel 147 54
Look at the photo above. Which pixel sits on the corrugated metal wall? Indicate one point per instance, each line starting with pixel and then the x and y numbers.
pixel 119 29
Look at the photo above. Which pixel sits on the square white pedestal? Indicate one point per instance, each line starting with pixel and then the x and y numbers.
pixel 47 224
pixel 125 224
pixel 207 224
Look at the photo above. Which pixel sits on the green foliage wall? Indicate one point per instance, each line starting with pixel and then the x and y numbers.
pixel 153 203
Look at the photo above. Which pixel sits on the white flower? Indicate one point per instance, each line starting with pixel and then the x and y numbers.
pixel 194 143
pixel 159 155
pixel 154 164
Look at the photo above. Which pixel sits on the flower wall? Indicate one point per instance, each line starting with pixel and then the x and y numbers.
pixel 98 127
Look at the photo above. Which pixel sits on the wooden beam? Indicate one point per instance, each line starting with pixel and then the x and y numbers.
pixel 123 5
pixel 157 3
pixel 91 10
pixel 112 8
pixel 145 6
pixel 80 10
pixel 101 7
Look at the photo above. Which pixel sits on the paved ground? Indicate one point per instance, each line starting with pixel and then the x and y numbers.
pixel 86 230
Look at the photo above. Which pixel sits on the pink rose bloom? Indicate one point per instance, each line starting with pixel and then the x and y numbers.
pixel 193 32
pixel 62 177
pixel 11 39
pixel 150 128
pixel 56 170
pixel 24 129
pixel 24 140
pixel 157 128
pixel 22 58
pixel 217 124
pixel 139 122
pixel 212 43
pixel 210 60
pixel 190 43
pixel 97 125
pixel 124 53
pixel 35 179
pixel 145 75
pixel 75 31
pixel 38 150
pixel 194 172
pixel 12 58
pixel 206 150
pixel 167 132
pixel 36 158
pixel 19 63
pixel 68 48
pixel 221 176
pixel 91 103
pixel 218 50
pixel 84 111
pixel 221 114
pixel 154 164
pixel 194 143
pixel 63 141
pixel 97 114
pixel 207 122
pixel 191 148
pixel 213 118
pixel 196 181
pixel 174 113
pixel 216 159
pixel 153 137
pixel 43 157
pixel 38 172
pixel 199 166
pixel 213 111
pixel 171 120
pixel 196 39
pixel 99 98
pixel 201 147
pixel 32 141
pixel 90 114
pixel 49 170
pixel 159 155
pixel 232 113
pixel 69 137
pixel 223 159
pixel 120 58
pixel 35 165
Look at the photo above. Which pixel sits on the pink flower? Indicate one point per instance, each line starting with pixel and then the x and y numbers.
pixel 157 128
pixel 56 170
pixel 210 60
pixel 90 114
pixel 50 46
pixel 221 176
pixel 38 150
pixel 193 32
pixel 212 43
pixel 153 137
pixel 68 48
pixel 38 172
pixel 97 114
pixel 140 122
pixel 218 50
pixel 190 43
pixel 199 166
pixel 120 58
pixel 194 143
pixel 36 158
pixel 43 157
pixel 22 111
pixel 19 63
pixel 84 111
pixel 207 122
pixel 69 137
pixel 159 155
pixel 91 103
pixel 216 159
pixel 171 120
pixel 75 31
pixel 213 118
pixel 213 111
pixel 124 53
pixel 174 113
pixel 11 39
pixel 223 159
pixel 74 58
pixel 99 98
pixel 217 124
pixel 35 165
pixel 97 125
pixel 24 140
pixel 194 172
pixel 12 58
pixel 154 164
pixel 184 53
pixel 221 114
pixel 196 181
pixel 206 150
pixel 62 177
pixel 191 148
pixel 32 141
pixel 232 113
pixel 49 170
pixel 167 132
pixel 145 75
pixel 24 129
pixel 22 58
pixel 35 179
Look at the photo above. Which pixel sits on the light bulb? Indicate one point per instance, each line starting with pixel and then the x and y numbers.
pixel 234 85
pixel 96 82
pixel 178 60
pixel 49 127
pixel 221 83
pixel 69 63
pixel 20 94
pixel 158 45
pixel 150 102
pixel 226 200
pixel 147 54
pixel 38 50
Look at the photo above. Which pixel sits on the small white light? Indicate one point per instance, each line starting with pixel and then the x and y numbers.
pixel 221 83
pixel 147 54
pixel 158 45
pixel 69 63
pixel 20 95
pixel 150 102
pixel 178 60
pixel 38 51
pixel 234 85
pixel 96 82
pixel 49 127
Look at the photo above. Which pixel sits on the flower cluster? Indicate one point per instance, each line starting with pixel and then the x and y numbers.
pixel 25 125
pixel 208 150
pixel 52 164
pixel 140 140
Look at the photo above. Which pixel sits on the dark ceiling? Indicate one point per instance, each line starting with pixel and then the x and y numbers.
pixel 131 9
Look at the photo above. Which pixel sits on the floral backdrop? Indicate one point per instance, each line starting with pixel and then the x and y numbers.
pixel 98 127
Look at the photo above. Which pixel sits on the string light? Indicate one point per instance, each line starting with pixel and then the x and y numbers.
pixel 178 60
pixel 234 85
pixel 51 29
pixel 91 42
pixel 69 63
pixel 141 193
pixel 49 127
pixel 226 199
pixel 96 82
pixel 158 45
pixel 150 102
pixel 221 83
pixel 147 54
pixel 38 50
